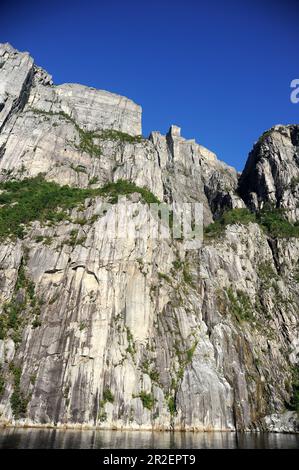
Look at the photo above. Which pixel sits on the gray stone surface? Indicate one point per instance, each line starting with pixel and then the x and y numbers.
pixel 143 318
pixel 271 174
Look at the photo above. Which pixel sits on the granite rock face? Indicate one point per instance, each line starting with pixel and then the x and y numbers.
pixel 16 71
pixel 142 333
pixel 271 174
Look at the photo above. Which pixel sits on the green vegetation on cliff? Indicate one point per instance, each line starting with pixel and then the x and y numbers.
pixel 239 305
pixel 22 202
pixel 275 223
pixel 171 406
pixel 234 216
pixel 123 188
pixel 18 401
pixel 108 396
pixel 35 199
pixel 2 383
pixel 24 300
pixel 147 399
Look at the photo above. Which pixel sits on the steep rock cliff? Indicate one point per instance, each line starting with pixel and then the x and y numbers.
pixel 139 332
pixel 271 174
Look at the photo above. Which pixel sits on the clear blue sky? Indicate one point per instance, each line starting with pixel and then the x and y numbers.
pixel 219 69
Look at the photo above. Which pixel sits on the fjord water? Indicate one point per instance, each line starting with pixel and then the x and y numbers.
pixel 17 438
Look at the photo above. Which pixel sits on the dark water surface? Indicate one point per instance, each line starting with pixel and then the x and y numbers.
pixel 16 438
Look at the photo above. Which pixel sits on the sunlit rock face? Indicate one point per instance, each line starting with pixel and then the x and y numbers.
pixel 141 333
pixel 271 174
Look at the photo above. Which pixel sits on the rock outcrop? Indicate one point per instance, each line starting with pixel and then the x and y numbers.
pixel 141 332
pixel 271 174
